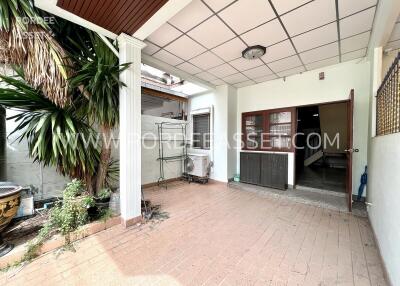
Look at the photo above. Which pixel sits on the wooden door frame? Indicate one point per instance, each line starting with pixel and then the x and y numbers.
pixel 349 154
pixel 349 188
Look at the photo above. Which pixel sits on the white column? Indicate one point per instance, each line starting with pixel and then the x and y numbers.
pixel 376 82
pixel 130 130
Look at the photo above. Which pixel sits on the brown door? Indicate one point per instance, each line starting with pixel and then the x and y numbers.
pixel 350 150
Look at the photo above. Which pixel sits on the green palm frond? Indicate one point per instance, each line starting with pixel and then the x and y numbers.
pixel 98 72
pixel 55 136
pixel 17 10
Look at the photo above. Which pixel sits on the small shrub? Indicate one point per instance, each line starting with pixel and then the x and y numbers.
pixel 104 194
pixel 65 217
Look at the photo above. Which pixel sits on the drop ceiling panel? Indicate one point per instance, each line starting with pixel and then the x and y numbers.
pixel 357 23
pixel 258 72
pixel 265 35
pixel 245 83
pixel 218 82
pixel 279 51
pixel 206 76
pixel 323 63
pixel 217 5
pixel 354 55
pixel 168 58
pixel 191 15
pixel 292 71
pixel 150 48
pixel 223 70
pixel 211 33
pixel 348 7
pixel 164 35
pixel 285 64
pixel 242 64
pixel 235 78
pixel 230 50
pixel 355 43
pixel 206 61
pixel 189 68
pixel 283 6
pixel 320 53
pixel 309 16
pixel 185 48
pixel 257 12
pixel 396 33
pixel 393 45
pixel 212 50
pixel 265 78
pixel 315 38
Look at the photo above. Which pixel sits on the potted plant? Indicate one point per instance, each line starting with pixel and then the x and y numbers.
pixel 104 196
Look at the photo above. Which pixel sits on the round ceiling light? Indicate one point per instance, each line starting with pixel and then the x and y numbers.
pixel 254 52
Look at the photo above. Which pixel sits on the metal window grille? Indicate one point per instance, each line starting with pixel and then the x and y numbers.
pixel 201 131
pixel 388 102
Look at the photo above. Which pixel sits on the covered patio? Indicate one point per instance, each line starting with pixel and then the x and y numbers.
pixel 219 236
pixel 260 71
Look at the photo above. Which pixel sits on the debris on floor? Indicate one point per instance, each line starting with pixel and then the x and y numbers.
pixel 359 209
pixel 153 213
pixel 22 230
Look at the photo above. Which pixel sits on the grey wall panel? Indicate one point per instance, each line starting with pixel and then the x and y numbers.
pixel 265 169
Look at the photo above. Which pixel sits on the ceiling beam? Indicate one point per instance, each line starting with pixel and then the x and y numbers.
pixel 385 18
pixel 169 10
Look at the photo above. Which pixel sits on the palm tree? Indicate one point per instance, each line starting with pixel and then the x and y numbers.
pixel 97 76
pixel 26 40
pixel 56 136
pixel 83 68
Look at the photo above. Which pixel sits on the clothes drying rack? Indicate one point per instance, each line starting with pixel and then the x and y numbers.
pixel 163 128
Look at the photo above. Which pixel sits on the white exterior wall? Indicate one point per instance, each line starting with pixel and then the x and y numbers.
pixel 150 164
pixel 307 89
pixel 383 178
pixel 383 194
pixel 220 101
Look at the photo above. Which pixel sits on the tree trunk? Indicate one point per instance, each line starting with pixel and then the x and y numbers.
pixel 89 184
pixel 105 156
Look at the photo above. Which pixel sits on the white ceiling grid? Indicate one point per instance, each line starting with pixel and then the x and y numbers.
pixel 207 37
pixel 394 41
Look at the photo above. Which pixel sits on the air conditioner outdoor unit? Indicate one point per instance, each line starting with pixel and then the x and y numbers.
pixel 197 165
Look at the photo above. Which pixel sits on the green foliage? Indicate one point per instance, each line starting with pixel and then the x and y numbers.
pixel 105 214
pixel 104 194
pixel 97 72
pixel 112 177
pixel 36 244
pixel 56 136
pixel 66 217
pixel 16 9
pixel 73 189
pixel 71 213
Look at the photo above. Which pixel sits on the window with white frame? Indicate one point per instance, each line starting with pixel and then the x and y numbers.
pixel 201 131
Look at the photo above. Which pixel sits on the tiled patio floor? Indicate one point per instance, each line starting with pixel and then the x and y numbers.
pixel 219 236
